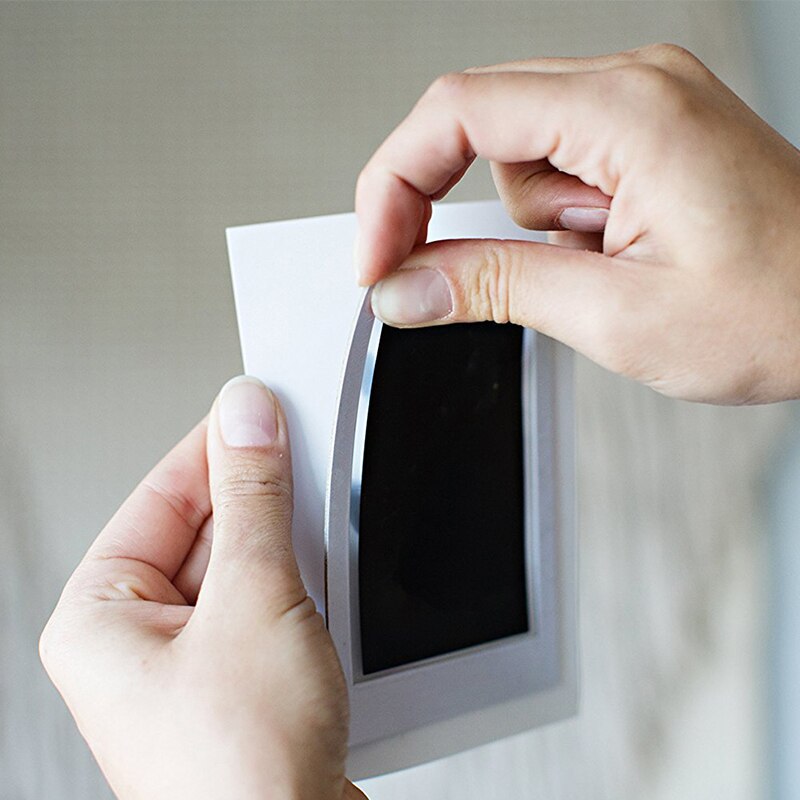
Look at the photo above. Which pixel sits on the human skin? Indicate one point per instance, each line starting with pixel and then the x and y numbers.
pixel 196 665
pixel 674 261
pixel 676 210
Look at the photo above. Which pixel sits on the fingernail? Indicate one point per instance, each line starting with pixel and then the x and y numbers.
pixel 411 297
pixel 247 413
pixel 584 220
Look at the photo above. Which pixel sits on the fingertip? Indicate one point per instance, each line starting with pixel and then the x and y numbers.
pixel 371 268
pixel 237 379
pixel 411 297
pixel 366 277
pixel 392 218
pixel 358 261
pixel 248 413
pixel 366 274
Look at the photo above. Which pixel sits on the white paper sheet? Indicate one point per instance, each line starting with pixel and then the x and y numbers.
pixel 296 302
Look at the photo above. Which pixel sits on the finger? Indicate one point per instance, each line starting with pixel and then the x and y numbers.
pixel 593 242
pixel 252 570
pixel 190 576
pixel 158 523
pixel 537 196
pixel 662 55
pixel 587 300
pixel 512 113
pixel 467 115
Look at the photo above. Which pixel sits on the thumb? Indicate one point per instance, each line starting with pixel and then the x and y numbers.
pixel 585 299
pixel 252 567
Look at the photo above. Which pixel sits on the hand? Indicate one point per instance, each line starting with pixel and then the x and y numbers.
pixel 198 668
pixel 679 212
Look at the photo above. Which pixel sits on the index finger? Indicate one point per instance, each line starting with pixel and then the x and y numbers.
pixel 158 524
pixel 508 117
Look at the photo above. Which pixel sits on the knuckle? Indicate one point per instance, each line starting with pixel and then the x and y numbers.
pixel 446 88
pixel 52 644
pixel 363 180
pixel 300 607
pixel 257 545
pixel 527 195
pixel 679 63
pixel 250 480
pixel 519 199
pixel 643 78
pixel 667 54
pixel 46 645
pixel 260 538
pixel 521 213
pixel 489 298
pixel 181 503
pixel 372 177
pixel 665 96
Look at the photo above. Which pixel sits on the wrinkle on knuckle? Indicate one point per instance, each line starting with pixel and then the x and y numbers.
pixel 258 540
pixel 180 502
pixel 299 607
pixel 249 523
pixel 253 481
pixel 489 296
pixel 519 202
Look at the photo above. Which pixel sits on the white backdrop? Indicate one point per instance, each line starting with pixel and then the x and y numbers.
pixel 132 134
pixel 776 27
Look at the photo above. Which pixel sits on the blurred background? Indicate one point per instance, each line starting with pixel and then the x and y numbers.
pixel 132 134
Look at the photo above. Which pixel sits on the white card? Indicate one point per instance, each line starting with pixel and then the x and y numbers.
pixel 297 301
pixel 307 331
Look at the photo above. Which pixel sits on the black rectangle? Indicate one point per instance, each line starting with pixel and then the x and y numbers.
pixel 441 544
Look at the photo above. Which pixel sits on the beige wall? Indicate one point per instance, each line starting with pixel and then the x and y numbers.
pixel 130 136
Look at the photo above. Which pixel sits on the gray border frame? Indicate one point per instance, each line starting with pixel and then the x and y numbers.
pixel 409 700
pixel 531 544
